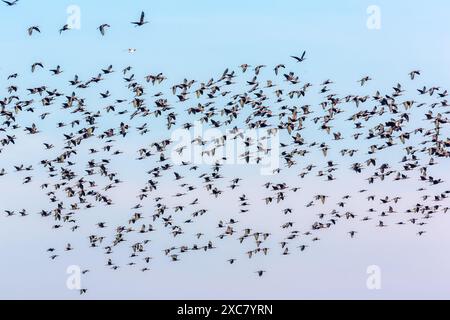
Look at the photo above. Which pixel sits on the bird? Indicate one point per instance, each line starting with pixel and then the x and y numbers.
pixel 33 28
pixel 141 21
pixel 260 273
pixel 89 131
pixel 66 27
pixel 102 28
pixel 301 58
pixel 414 73
pixel 364 80
pixel 10 3
pixel 35 65
pixel 56 71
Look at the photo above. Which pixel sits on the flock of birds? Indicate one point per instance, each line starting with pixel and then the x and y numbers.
pixel 102 28
pixel 393 136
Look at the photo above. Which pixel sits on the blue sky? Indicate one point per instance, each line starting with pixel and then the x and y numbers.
pixel 199 39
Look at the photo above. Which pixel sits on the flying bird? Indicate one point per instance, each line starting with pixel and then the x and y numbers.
pixel 141 21
pixel 66 27
pixel 301 58
pixel 33 28
pixel 103 28
pixel 10 3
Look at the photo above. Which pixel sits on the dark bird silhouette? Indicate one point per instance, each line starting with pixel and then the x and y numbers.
pixel 301 58
pixel 103 28
pixel 10 3
pixel 33 28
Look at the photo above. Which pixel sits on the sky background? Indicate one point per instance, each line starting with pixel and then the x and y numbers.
pixel 198 39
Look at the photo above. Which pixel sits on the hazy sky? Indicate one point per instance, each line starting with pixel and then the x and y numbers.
pixel 199 39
